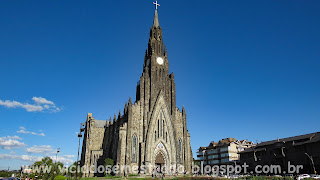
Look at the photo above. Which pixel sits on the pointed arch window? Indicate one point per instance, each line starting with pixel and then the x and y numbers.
pixel 134 148
pixel 163 128
pixel 161 124
pixel 155 135
pixel 166 137
pixel 158 127
pixel 164 77
pixel 153 47
pixel 180 151
pixel 157 74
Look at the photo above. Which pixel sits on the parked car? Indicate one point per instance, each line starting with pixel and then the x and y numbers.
pixel 314 176
pixel 304 176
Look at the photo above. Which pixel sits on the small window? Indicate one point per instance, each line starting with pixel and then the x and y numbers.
pixel 180 151
pixel 134 148
pixel 163 127
pixel 158 127
pixel 166 137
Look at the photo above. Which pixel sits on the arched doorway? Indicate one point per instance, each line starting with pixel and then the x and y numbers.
pixel 159 162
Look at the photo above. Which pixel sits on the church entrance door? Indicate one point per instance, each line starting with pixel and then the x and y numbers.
pixel 160 162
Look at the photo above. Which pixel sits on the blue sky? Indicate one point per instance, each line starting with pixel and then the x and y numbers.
pixel 243 69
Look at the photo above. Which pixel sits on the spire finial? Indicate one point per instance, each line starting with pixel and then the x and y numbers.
pixel 156 19
pixel 156 4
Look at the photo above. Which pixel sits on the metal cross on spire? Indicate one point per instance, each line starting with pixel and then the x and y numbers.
pixel 156 4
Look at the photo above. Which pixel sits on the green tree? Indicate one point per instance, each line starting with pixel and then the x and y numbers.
pixel 196 162
pixel 72 170
pixel 4 174
pixel 108 162
pixel 45 162
pixel 47 170
pixel 56 171
pixel 32 176
pixel 60 177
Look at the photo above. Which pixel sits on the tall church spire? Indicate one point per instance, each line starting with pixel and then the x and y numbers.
pixel 156 19
pixel 155 45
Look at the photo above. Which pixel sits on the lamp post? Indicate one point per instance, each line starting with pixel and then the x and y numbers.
pixel 58 150
pixel 79 136
pixel 55 164
pixel 310 157
pixel 203 152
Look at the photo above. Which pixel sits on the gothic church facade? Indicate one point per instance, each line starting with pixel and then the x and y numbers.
pixel 151 130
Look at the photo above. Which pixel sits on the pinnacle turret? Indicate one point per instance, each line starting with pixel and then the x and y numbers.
pixel 130 101
pixel 125 108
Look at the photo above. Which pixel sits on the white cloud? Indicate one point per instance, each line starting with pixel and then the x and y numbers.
pixel 57 109
pixel 44 149
pixel 66 159
pixel 41 100
pixel 41 104
pixel 24 131
pixel 29 158
pixel 26 106
pixel 69 156
pixel 11 143
pixel 14 137
pixel 20 157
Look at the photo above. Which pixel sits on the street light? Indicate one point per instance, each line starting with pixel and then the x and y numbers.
pixel 79 136
pixel 58 150
pixel 55 164
pixel 310 157
pixel 203 152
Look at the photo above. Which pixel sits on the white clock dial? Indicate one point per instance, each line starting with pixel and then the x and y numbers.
pixel 159 60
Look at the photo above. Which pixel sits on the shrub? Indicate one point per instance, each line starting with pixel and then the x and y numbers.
pixel 59 177
pixel 133 175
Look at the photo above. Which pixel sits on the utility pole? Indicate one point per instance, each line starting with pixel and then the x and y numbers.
pixel 79 136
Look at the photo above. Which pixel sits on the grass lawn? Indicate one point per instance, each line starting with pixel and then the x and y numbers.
pixel 191 178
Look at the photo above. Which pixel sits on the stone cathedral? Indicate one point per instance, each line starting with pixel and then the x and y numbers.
pixel 151 130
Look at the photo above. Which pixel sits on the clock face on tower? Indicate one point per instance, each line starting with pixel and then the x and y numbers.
pixel 159 60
